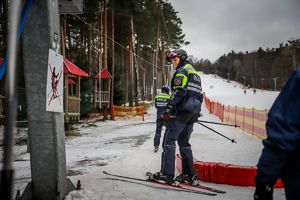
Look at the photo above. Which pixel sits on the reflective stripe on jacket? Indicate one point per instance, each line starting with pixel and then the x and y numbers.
pixel 161 102
pixel 187 90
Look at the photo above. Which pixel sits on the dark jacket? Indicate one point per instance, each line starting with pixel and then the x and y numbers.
pixel 186 90
pixel 280 157
pixel 161 102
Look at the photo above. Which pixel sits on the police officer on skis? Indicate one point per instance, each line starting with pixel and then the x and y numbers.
pixel 161 102
pixel 182 112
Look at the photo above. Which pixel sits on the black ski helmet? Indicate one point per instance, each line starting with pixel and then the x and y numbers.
pixel 177 53
pixel 165 89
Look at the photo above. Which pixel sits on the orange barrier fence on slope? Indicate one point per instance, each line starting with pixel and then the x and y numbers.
pixel 125 111
pixel 250 120
pixel 214 108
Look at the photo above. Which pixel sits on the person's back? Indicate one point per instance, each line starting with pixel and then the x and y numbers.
pixel 161 102
pixel 280 157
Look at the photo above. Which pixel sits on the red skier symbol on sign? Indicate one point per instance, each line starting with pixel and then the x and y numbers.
pixel 55 78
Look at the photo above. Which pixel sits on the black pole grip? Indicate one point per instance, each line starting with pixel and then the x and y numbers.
pixel 6 184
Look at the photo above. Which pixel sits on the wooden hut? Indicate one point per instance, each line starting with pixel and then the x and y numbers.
pixel 72 76
pixel 102 89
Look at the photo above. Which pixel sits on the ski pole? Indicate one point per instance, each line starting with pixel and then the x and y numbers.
pixel 218 123
pixel 232 140
pixel 7 171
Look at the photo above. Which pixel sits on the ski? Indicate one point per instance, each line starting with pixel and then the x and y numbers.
pixel 168 186
pixel 150 175
pixel 211 189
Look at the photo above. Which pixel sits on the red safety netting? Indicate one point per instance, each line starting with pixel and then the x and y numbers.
pixel 125 112
pixel 249 120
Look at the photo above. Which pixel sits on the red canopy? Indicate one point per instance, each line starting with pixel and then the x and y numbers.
pixel 70 68
pixel 103 74
pixel 70 81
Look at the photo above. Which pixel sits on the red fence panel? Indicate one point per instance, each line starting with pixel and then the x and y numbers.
pixel 249 120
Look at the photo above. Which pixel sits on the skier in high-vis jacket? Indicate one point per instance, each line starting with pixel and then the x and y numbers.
pixel 161 102
pixel 280 156
pixel 182 112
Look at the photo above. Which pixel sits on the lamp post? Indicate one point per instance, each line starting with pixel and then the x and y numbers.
pixel 275 82
pixel 244 77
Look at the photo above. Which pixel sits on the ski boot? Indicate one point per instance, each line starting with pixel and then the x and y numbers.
pixel 185 178
pixel 155 149
pixel 158 176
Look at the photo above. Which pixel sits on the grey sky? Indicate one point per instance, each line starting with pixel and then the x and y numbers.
pixel 215 27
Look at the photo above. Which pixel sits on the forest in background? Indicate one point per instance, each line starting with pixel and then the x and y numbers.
pixel 263 69
pixel 131 39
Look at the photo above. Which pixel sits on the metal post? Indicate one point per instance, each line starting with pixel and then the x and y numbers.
pixel 275 83
pixel 11 112
pixel 46 129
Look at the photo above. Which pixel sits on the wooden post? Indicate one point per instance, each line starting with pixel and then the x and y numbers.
pixel 66 96
pixel 113 57
pixel 78 92
pixel 252 120
pixel 235 115
pixel 243 119
pixel 228 113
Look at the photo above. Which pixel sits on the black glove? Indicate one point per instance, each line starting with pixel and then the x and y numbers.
pixel 195 118
pixel 263 191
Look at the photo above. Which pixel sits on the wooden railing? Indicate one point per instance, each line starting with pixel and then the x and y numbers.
pixel 104 97
pixel 73 105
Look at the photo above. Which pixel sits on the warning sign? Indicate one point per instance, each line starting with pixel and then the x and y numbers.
pixel 55 82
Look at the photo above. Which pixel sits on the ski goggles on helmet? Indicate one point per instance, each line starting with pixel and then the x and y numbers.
pixel 172 55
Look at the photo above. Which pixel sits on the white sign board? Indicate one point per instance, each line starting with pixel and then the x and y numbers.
pixel 55 83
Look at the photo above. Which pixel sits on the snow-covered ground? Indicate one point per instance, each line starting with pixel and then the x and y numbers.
pixel 231 93
pixel 126 147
